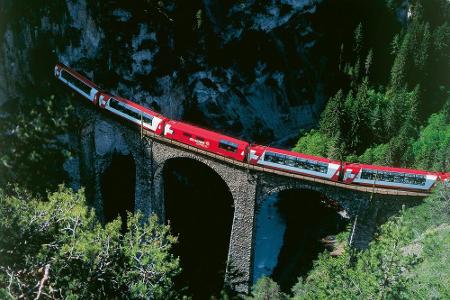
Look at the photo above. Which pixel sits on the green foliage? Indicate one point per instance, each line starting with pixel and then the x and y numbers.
pixel 58 249
pixel 432 149
pixel 380 272
pixel 33 149
pixel 314 142
pixel 408 260
pixel 382 124
pixel 266 289
pixel 376 155
pixel 432 276
pixel 198 20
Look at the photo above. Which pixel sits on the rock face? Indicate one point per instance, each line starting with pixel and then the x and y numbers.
pixel 244 69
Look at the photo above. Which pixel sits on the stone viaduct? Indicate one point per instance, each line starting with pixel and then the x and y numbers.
pixel 249 186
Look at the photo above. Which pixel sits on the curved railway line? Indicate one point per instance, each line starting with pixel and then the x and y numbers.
pixel 255 158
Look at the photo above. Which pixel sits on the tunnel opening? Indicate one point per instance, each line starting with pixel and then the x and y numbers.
pixel 117 187
pixel 199 209
pixel 292 228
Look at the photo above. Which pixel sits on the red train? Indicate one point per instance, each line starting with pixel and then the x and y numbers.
pixel 206 139
pixel 267 157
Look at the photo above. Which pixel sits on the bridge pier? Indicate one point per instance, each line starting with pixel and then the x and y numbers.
pixel 239 264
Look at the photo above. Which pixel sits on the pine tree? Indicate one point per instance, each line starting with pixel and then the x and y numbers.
pixel 266 289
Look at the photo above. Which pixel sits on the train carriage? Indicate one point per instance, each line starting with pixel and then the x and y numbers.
pixel 133 112
pixel 76 81
pixel 389 177
pixel 205 139
pixel 294 162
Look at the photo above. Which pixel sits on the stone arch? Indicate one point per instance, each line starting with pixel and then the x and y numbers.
pixel 293 227
pixel 270 184
pixel 158 180
pixel 118 185
pixel 199 206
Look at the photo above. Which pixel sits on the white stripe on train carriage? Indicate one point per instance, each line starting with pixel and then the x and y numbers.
pixel 252 155
pixel 168 129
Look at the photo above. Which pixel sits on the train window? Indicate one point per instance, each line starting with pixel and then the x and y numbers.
pixel 369 175
pixel 296 162
pixel 199 138
pixel 420 180
pixel 290 161
pixel 393 177
pixel 269 157
pixel 273 157
pixel 279 159
pixel 315 166
pixel 399 177
pixel 409 179
pixel 76 82
pixel 123 108
pixel 115 104
pixel 147 118
pixel 187 135
pixel 229 146
pixel 300 164
pixel 386 176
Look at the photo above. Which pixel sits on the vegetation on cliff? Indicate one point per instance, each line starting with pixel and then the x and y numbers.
pixel 405 122
pixel 57 249
pixel 408 259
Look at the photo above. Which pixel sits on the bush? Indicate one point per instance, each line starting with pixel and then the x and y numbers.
pixel 58 249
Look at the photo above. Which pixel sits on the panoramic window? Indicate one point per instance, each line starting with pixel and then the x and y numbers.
pixel 369 175
pixel 123 108
pixel 76 82
pixel 291 161
pixel 229 146
pixel 420 179
pixel 147 119
pixel 296 162
pixel 393 177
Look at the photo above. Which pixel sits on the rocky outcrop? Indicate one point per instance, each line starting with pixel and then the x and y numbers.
pixel 210 63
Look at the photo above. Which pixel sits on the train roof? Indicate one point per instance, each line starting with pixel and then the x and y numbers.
pixel 205 133
pixel 300 155
pixel 391 169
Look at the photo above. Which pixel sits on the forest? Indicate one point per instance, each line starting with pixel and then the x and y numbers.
pixel 387 90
